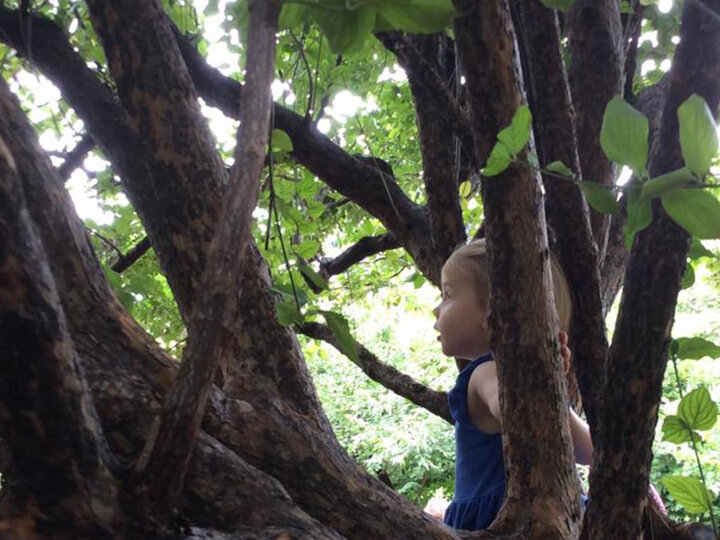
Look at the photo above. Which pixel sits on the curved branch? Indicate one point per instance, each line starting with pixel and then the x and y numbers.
pixel 368 186
pixel 392 379
pixel 363 248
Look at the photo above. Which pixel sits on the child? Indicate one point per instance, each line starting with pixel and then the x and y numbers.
pixel 462 321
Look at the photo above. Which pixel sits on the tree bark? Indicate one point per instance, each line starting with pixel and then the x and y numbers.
pixel 567 211
pixel 543 492
pixel 638 354
pixel 596 75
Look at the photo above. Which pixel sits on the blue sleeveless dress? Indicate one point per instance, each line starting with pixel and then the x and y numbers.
pixel 479 467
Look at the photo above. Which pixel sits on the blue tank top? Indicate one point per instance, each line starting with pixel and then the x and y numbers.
pixel 479 467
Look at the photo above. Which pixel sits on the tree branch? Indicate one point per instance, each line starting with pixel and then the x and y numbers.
pixel 213 321
pixel 48 417
pixel 156 199
pixel 567 212
pixel 392 379
pixel 596 75
pixel 522 323
pixel 638 355
pixel 363 248
pixel 426 75
pixel 75 157
pixel 437 115
pixel 128 259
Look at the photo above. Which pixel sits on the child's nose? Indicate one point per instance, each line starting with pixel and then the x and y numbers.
pixel 436 311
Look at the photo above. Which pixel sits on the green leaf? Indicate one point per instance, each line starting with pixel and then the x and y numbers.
pixel 560 5
pixel 517 134
pixel 287 313
pixel 689 492
pixel 464 189
pixel 316 279
pixel 600 198
pixel 697 250
pixel 293 15
pixel 415 16
pixel 639 211
pixel 688 277
pixel 695 348
pixel 625 7
pixel 307 248
pixel 340 327
pixel 281 141
pixel 698 410
pixel 666 182
pixel 624 135
pixel 558 167
pixel 695 210
pixel 676 431
pixel 698 134
pixel 498 161
pixel 346 29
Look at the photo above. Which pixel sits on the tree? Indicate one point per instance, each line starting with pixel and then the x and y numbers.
pixel 104 434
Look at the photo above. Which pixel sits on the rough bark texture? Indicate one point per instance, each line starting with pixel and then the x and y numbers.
pixel 596 75
pixel 638 354
pixel 59 469
pixel 542 486
pixel 212 322
pixel 435 128
pixel 567 212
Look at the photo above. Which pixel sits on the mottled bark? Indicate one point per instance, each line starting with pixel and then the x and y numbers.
pixel 542 486
pixel 212 322
pixel 567 212
pixel 435 129
pixel 596 75
pixel 60 474
pixel 392 379
pixel 178 147
pixel 638 355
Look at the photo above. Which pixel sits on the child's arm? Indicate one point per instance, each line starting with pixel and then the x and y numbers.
pixel 582 443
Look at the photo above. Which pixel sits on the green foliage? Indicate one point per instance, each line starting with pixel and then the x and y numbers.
pixel 696 210
pixel 348 26
pixel 511 140
pixel 600 198
pixel 689 492
pixel 624 135
pixel 698 135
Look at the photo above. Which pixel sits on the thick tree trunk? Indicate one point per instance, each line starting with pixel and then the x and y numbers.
pixel 637 358
pixel 543 493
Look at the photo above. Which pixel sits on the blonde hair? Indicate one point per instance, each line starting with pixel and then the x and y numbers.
pixel 471 262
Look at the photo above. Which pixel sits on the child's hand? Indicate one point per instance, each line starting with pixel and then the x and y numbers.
pixel 436 507
pixel 565 352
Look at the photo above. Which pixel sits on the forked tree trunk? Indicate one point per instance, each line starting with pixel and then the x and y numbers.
pixel 83 385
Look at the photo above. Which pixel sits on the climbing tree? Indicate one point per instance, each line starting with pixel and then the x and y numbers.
pixel 515 120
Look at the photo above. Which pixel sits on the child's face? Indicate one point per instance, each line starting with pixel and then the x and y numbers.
pixel 461 319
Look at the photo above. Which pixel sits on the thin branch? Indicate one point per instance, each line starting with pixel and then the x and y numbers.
pixel 75 157
pixel 362 249
pixel 392 379
pixel 426 73
pixel 128 259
